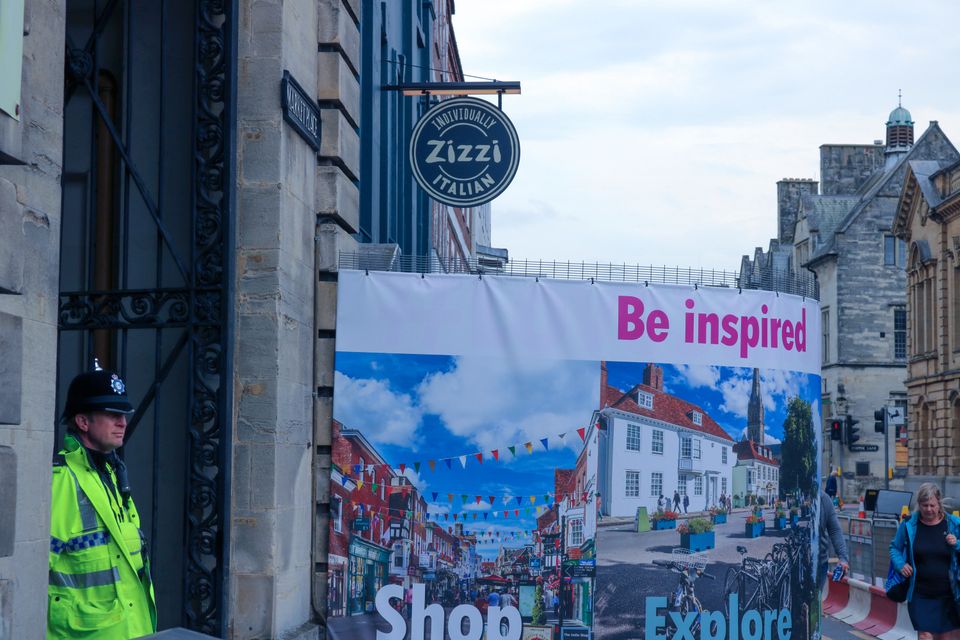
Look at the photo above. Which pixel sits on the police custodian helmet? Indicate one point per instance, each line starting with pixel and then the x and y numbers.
pixel 98 390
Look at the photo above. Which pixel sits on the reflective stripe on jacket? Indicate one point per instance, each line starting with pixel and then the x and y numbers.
pixel 99 583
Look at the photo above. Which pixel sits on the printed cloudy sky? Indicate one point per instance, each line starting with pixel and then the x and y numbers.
pixel 655 132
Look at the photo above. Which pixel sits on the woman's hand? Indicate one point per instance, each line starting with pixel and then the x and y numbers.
pixel 906 570
pixel 951 540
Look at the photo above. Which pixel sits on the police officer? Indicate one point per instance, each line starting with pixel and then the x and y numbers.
pixel 100 582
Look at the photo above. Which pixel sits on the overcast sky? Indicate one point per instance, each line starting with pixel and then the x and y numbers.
pixel 655 132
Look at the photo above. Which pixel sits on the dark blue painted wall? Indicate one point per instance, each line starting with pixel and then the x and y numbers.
pixel 395 43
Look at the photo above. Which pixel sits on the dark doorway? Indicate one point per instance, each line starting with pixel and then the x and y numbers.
pixel 146 266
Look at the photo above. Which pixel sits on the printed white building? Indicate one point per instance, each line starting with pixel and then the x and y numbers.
pixel 651 443
pixel 757 472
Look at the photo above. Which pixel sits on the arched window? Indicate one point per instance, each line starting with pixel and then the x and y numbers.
pixel 954 436
pixel 922 299
pixel 921 440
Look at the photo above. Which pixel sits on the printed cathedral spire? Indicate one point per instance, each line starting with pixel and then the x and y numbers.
pixel 755 411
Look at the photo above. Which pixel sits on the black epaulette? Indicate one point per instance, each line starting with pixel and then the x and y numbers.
pixel 59 460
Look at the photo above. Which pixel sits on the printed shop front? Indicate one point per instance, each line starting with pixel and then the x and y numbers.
pixel 369 566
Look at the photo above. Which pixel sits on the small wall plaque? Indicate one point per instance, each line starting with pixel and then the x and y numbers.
pixel 300 111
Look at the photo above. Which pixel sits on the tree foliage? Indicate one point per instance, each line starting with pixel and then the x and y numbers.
pixel 539 615
pixel 798 453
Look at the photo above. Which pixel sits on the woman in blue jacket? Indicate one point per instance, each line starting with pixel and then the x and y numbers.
pixel 925 551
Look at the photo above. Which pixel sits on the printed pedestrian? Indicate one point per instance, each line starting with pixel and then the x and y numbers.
pixel 829 527
pixel 676 501
pixel 408 601
pixel 686 502
pixel 99 573
pixel 925 551
pixel 556 605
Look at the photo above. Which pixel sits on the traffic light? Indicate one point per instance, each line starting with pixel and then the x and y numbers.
pixel 852 431
pixel 880 420
pixel 836 429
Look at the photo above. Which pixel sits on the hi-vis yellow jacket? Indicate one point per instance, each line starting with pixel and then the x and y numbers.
pixel 100 583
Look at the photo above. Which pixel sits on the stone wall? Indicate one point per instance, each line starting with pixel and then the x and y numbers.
pixel 273 488
pixel 790 191
pixel 844 168
pixel 338 209
pixel 29 264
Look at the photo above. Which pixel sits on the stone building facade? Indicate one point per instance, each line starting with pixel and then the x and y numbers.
pixel 843 235
pixel 31 147
pixel 160 213
pixel 928 220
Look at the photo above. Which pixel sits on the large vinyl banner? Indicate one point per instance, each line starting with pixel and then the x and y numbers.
pixel 523 458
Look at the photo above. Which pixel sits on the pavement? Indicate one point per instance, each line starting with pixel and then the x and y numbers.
pixel 626 575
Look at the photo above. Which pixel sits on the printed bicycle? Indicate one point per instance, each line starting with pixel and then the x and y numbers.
pixel 689 567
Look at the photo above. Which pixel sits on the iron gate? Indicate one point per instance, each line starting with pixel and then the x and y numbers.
pixel 146 266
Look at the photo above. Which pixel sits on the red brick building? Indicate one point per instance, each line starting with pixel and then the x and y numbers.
pixel 363 515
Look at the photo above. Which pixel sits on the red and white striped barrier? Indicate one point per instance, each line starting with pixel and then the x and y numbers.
pixel 867 609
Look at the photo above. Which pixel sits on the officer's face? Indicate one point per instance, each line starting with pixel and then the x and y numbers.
pixel 102 431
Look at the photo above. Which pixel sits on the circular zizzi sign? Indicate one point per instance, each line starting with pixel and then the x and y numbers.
pixel 464 152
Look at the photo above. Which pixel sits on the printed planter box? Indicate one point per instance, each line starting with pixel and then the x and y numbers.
pixel 794 520
pixel 719 518
pixel 780 522
pixel 664 524
pixel 754 530
pixel 698 541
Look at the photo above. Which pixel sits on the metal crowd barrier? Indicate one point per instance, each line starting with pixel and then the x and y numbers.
pixel 860 549
pixel 868 546
pixel 884 529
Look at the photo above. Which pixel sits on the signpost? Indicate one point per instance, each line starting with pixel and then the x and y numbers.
pixel 464 152
pixel 864 447
pixel 361 524
pixel 580 568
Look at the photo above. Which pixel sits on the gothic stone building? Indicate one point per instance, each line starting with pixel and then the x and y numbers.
pixel 928 220
pixel 842 232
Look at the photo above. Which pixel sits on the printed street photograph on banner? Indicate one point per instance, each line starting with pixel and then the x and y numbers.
pixel 455 473
pixel 709 473
pixel 490 480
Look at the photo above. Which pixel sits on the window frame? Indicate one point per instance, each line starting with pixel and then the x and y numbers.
pixel 633 433
pixel 631 481
pixel 656 480
pixel 655 439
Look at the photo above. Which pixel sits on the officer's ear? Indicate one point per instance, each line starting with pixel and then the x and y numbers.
pixel 81 422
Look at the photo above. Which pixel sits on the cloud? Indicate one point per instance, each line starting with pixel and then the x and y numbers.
pixel 699 375
pixel 728 97
pixel 436 507
pixel 767 438
pixel 416 479
pixel 493 403
pixel 776 387
pixel 384 416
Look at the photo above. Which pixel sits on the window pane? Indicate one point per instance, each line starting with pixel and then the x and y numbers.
pixel 657 446
pixel 656 484
pixel 633 484
pixel 899 332
pixel 889 250
pixel 633 437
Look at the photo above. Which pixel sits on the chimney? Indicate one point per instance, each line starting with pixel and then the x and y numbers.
pixel 653 376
